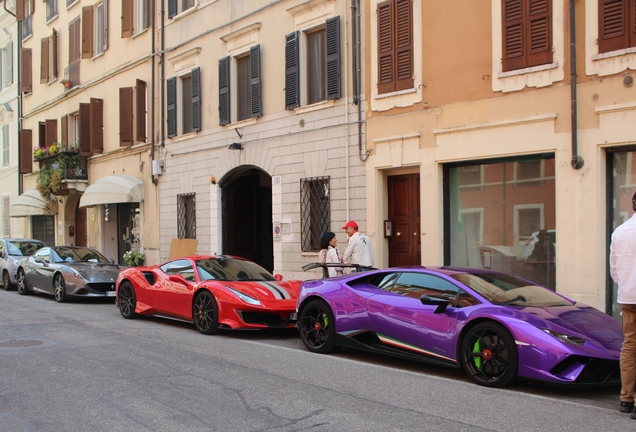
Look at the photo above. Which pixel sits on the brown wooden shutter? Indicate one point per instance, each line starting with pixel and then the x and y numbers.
pixel 87 32
pixel 53 54
pixel 386 79
pixel 50 132
pixel 26 156
pixel 404 44
pixel 20 10
pixel 42 135
pixel 512 32
pixel 65 130
pixel 85 129
pixel 613 16
pixel 97 126
pixel 126 18
pixel 44 61
pixel 74 44
pixel 26 80
pixel 539 35
pixel 140 110
pixel 126 117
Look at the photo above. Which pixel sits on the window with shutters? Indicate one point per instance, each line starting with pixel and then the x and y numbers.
pixel 315 211
pixel 90 127
pixel 240 86
pixel 6 216
pixel 6 146
pixel 24 13
pixel 395 46
pixel 140 18
pixel 51 10
pixel 312 65
pixel 527 33
pixel 101 28
pixel 47 133
pixel 616 25
pixel 176 7
pixel 70 129
pixel 6 66
pixel 186 216
pixel 183 94
pixel 48 59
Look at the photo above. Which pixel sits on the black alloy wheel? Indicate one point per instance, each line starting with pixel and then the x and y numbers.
pixel 318 327
pixel 205 313
pixel 6 282
pixel 127 300
pixel 23 289
pixel 59 289
pixel 489 355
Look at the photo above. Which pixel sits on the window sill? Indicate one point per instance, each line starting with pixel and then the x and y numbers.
pixel 185 12
pixel 53 18
pixel 183 137
pixel 27 37
pixel 529 70
pixel 613 54
pixel 68 6
pixel 242 123
pixel 393 94
pixel 140 33
pixel 101 54
pixel 316 106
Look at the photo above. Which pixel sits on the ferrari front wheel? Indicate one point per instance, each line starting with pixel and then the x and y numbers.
pixel 489 355
pixel 59 289
pixel 205 313
pixel 23 289
pixel 127 300
pixel 317 327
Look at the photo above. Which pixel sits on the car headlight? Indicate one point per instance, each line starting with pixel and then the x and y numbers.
pixel 247 299
pixel 78 274
pixel 564 337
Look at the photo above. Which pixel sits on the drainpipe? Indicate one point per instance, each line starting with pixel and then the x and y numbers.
pixel 162 80
pixel 155 180
pixel 19 107
pixel 357 43
pixel 577 160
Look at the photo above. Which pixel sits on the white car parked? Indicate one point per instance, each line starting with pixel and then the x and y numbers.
pixel 12 250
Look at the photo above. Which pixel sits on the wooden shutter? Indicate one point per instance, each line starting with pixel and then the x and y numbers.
pixel 196 99
pixel 50 132
pixel 44 61
pixel 224 91
pixel 84 120
pixel 255 75
pixel 404 44
pixel 65 129
pixel 26 80
pixel 126 18
pixel 292 71
pixel 332 34
pixel 386 79
pixel 97 125
pixel 74 41
pixel 613 31
pixel 53 54
pixel 539 46
pixel 172 8
pixel 42 135
pixel 140 110
pixel 26 156
pixel 126 117
pixel 512 16
pixel 20 8
pixel 87 32
pixel 171 93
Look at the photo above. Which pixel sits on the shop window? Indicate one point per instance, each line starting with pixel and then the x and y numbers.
pixel 43 228
pixel 314 211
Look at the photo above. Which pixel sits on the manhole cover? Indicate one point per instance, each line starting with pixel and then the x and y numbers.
pixel 20 343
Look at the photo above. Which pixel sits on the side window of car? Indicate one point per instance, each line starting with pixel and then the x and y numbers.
pixel 417 284
pixel 184 268
pixel 166 268
pixel 384 281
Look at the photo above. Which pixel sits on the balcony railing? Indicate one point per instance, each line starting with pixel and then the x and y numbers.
pixel 70 163
pixel 71 75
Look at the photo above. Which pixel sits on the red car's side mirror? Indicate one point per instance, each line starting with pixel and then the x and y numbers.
pixel 278 277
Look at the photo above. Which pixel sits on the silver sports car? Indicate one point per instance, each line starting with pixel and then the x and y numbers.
pixel 12 251
pixel 68 271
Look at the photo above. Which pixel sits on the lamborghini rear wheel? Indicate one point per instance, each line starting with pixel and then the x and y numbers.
pixel 205 314
pixel 489 355
pixel 318 327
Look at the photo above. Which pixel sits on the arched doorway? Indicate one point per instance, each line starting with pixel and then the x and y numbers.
pixel 246 194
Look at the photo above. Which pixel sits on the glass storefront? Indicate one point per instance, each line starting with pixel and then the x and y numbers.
pixel 500 215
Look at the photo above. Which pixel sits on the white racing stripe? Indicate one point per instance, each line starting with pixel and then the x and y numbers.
pixel 279 292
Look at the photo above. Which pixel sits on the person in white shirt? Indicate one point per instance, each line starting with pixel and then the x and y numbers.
pixel 359 249
pixel 329 253
pixel 623 271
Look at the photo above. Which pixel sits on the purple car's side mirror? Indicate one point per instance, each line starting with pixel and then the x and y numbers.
pixel 441 304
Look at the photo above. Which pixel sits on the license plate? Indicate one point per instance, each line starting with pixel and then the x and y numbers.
pixel 110 293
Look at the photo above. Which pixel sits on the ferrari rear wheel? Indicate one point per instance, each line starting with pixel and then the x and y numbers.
pixel 205 313
pixel 127 300
pixel 317 327
pixel 59 289
pixel 6 282
pixel 22 284
pixel 489 355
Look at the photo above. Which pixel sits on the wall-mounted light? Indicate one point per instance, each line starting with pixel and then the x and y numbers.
pixel 236 146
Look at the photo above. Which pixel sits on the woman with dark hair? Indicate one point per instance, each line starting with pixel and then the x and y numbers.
pixel 329 253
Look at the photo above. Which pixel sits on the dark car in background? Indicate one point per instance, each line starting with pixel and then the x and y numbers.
pixel 12 251
pixel 68 271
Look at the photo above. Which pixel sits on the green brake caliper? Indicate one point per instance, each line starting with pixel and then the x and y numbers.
pixel 477 349
pixel 325 321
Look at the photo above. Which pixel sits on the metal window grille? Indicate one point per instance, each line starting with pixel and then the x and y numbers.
pixel 186 216
pixel 314 211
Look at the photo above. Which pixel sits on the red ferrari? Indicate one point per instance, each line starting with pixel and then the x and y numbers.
pixel 213 292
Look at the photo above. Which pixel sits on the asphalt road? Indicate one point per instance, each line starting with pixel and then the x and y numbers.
pixel 81 367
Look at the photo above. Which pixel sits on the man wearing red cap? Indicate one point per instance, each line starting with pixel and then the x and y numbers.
pixel 359 249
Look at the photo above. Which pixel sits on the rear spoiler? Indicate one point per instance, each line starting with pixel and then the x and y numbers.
pixel 325 267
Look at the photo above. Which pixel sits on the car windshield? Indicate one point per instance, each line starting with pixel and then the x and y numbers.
pixel 230 269
pixel 78 255
pixel 501 288
pixel 23 248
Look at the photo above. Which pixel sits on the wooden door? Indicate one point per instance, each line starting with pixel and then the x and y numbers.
pixel 404 215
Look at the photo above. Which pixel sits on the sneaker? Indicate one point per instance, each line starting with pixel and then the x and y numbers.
pixel 633 415
pixel 627 407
